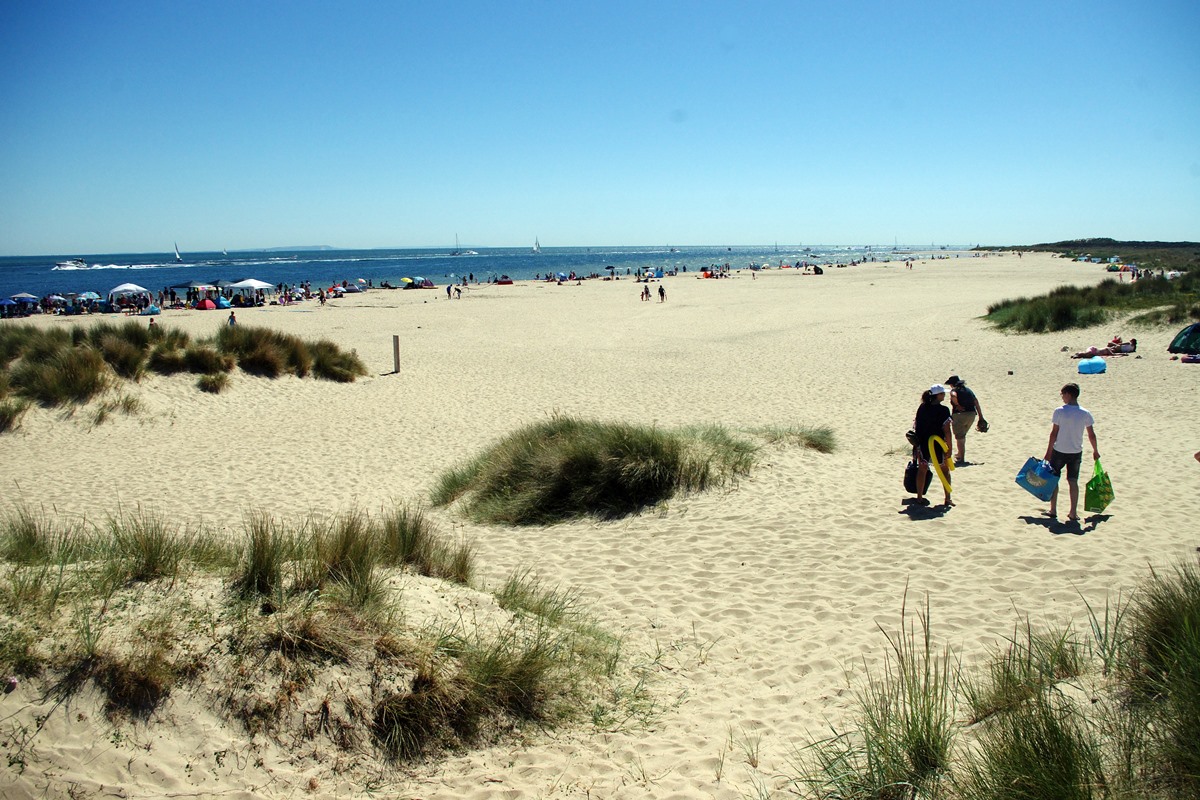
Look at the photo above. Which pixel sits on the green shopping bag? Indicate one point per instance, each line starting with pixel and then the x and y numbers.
pixel 1099 492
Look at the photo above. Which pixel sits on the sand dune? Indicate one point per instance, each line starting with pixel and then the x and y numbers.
pixel 752 608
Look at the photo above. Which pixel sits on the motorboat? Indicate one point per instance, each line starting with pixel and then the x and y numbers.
pixel 74 263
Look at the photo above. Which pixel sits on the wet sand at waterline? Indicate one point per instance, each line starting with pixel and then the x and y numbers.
pixel 756 608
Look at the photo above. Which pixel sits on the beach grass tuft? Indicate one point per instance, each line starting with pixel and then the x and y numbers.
pixel 134 607
pixel 1040 748
pixel 407 536
pixel 901 742
pixel 1031 662
pixel 68 375
pixel 11 411
pixel 204 360
pixel 145 546
pixel 821 439
pixel 1051 717
pixel 214 383
pixel 268 549
pixel 567 468
pixel 330 363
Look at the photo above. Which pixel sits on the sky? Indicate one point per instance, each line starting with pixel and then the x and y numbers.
pixel 128 126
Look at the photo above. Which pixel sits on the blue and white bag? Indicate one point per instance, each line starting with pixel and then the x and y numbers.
pixel 1037 478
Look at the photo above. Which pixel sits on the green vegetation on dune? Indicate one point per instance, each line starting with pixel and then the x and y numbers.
pixel 1113 716
pixel 1067 307
pixel 566 468
pixel 252 627
pixel 55 366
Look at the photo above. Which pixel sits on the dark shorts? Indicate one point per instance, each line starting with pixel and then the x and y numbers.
pixel 1069 460
pixel 923 450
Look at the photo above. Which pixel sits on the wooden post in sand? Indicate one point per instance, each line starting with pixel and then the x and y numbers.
pixel 396 351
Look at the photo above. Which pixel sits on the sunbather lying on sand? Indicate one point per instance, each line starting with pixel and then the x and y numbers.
pixel 1122 349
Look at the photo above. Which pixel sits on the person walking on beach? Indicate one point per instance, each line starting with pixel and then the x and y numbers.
pixel 933 419
pixel 1069 422
pixel 232 319
pixel 964 409
pixel 662 293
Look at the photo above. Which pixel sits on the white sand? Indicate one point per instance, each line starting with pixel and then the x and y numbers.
pixel 752 605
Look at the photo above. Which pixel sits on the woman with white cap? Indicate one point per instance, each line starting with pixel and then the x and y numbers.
pixel 933 419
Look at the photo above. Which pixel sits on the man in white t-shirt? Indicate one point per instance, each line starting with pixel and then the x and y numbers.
pixel 1066 445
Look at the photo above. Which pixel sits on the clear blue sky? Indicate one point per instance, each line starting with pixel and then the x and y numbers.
pixel 127 126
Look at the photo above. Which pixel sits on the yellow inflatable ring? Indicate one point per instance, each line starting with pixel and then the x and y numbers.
pixel 936 463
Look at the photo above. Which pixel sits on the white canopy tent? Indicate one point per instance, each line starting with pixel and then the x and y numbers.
pixel 251 283
pixel 128 288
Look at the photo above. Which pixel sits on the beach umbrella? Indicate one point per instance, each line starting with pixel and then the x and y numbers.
pixel 362 280
pixel 129 288
pixel 4 301
pixel 406 280
pixel 19 296
pixel 89 296
pixel 57 298
pixel 193 285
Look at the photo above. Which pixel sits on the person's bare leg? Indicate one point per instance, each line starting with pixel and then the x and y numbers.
pixel 1054 502
pixel 1074 486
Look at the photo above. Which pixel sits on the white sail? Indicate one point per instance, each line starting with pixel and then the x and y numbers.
pixel 177 256
pixel 537 246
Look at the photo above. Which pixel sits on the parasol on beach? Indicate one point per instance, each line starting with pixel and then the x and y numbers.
pixel 22 297
pixel 89 296
pixel 129 288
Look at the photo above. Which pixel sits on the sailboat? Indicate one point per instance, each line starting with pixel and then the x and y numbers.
pixel 537 246
pixel 178 258
pixel 458 252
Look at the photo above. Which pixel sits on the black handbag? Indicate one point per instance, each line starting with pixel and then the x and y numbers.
pixel 910 477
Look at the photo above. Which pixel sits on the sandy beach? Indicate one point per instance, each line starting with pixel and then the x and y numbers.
pixel 759 608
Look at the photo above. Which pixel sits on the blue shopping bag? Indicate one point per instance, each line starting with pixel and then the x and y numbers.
pixel 1037 478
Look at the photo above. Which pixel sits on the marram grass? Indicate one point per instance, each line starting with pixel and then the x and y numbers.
pixel 138 608
pixel 567 468
pixel 59 367
pixel 1052 718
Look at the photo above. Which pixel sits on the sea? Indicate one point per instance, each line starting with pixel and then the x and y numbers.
pixel 41 276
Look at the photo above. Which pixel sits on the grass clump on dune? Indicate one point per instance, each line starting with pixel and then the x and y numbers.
pixel 820 439
pixel 70 375
pixel 55 367
pixel 11 411
pixel 566 468
pixel 1070 307
pixel 1050 716
pixel 296 633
